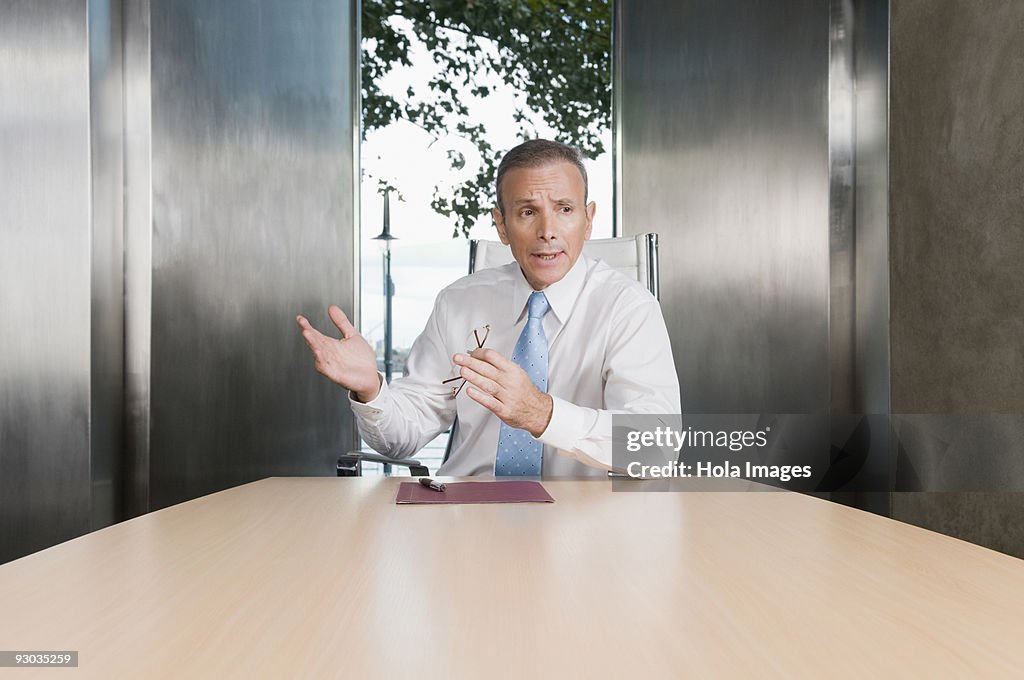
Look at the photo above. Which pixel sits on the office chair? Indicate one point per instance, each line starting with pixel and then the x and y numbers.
pixel 634 256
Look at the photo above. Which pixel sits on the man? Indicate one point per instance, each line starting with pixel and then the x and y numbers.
pixel 548 346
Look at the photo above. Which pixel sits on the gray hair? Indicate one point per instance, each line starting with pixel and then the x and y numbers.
pixel 535 153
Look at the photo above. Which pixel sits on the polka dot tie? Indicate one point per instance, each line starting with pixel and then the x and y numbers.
pixel 518 452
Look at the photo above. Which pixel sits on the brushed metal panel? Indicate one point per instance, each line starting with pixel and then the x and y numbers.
pixel 106 431
pixel 872 363
pixel 842 256
pixel 138 254
pixel 355 48
pixel 858 229
pixel 871 386
pixel 618 85
pixel 724 110
pixel 44 274
pixel 252 223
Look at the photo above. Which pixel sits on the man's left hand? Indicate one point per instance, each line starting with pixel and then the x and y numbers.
pixel 504 389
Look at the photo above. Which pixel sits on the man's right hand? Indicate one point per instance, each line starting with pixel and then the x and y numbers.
pixel 350 361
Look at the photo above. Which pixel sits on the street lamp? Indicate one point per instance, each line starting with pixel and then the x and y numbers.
pixel 386 238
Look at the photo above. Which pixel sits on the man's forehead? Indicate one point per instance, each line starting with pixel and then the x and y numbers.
pixel 537 197
pixel 555 169
pixel 526 183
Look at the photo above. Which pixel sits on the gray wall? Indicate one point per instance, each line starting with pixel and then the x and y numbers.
pixel 957 234
pixel 106 136
pixel 252 222
pixel 738 127
pixel 178 183
pixel 724 147
pixel 45 280
pixel 829 250
pixel 752 137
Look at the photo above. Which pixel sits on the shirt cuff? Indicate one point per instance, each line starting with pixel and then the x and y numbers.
pixel 371 410
pixel 566 427
pixel 572 431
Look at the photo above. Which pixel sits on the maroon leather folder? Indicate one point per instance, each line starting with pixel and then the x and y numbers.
pixel 513 491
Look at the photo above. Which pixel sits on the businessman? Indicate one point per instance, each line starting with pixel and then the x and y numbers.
pixel 532 358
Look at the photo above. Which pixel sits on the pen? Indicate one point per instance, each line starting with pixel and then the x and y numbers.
pixel 431 484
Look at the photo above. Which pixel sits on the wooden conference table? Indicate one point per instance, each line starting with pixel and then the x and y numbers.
pixel 324 577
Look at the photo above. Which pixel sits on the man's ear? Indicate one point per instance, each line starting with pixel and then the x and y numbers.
pixel 591 211
pixel 499 222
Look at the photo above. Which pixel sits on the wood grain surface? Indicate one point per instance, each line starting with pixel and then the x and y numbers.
pixel 327 577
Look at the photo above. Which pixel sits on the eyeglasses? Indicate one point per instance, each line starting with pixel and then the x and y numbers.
pixel 475 340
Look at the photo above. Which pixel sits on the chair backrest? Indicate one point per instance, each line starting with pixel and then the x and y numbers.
pixel 634 256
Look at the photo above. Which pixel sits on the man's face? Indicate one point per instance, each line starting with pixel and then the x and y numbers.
pixel 545 221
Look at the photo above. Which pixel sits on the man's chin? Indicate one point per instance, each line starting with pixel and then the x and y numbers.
pixel 542 277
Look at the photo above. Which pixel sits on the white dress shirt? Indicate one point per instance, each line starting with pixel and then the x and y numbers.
pixel 608 352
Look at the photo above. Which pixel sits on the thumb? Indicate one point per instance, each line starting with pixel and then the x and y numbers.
pixel 342 322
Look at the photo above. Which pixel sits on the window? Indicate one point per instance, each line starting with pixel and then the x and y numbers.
pixel 448 87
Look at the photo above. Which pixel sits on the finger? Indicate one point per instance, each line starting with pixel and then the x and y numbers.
pixel 493 357
pixel 478 365
pixel 487 401
pixel 487 385
pixel 314 339
pixel 303 323
pixel 342 322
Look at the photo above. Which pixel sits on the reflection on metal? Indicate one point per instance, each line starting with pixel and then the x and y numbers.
pixel 871 179
pixel 45 243
pixel 252 219
pixel 858 170
pixel 178 185
pixel 753 139
pixel 725 155
pixel 355 59
pixel 106 130
pixel 618 85
pixel 841 199
pixel 871 357
pixel 138 254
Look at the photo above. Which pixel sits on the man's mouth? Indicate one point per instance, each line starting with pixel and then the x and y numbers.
pixel 547 257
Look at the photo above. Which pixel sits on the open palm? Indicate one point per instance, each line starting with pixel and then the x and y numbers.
pixel 348 361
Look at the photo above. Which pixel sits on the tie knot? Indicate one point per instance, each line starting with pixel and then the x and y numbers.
pixel 538 305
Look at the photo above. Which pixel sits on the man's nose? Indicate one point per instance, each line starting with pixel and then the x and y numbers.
pixel 545 226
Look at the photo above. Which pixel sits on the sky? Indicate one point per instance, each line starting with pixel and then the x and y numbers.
pixel 426 258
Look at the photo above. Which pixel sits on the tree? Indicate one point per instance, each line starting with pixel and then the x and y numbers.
pixel 557 52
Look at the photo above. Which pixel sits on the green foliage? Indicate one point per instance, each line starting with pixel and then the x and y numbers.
pixel 556 52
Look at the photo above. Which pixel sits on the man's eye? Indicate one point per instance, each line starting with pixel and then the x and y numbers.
pixel 566 209
pixel 525 213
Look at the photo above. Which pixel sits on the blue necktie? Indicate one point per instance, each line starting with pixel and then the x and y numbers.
pixel 518 452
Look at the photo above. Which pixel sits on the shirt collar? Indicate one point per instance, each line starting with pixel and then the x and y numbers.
pixel 561 295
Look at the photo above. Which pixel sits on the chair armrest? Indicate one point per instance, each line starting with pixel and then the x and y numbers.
pixel 350 464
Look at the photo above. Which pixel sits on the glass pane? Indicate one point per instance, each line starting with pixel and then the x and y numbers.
pixel 446 93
